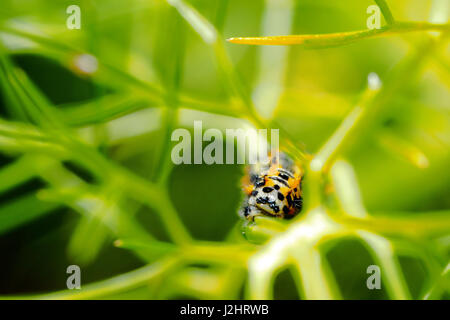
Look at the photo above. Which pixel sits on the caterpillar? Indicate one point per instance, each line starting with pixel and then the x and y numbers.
pixel 272 189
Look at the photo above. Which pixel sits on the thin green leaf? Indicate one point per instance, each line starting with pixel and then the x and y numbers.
pixel 22 211
pixel 318 41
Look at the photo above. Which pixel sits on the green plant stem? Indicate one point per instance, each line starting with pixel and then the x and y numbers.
pixel 366 115
pixel 121 283
pixel 420 224
pixel 317 41
pixel 387 14
pixel 385 257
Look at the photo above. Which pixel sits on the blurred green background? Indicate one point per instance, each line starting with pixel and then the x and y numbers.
pixel 112 92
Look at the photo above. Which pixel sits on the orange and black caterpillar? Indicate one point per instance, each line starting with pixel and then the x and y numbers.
pixel 272 189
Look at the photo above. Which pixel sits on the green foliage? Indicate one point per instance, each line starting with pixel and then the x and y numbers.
pixel 377 178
